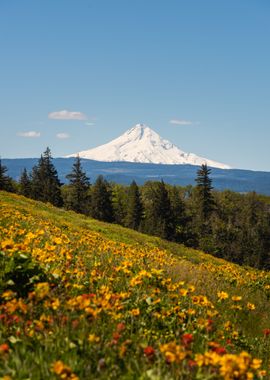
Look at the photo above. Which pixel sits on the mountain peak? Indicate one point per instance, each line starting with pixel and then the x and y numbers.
pixel 139 131
pixel 140 126
pixel 142 144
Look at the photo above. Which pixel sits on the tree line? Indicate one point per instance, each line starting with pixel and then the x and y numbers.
pixel 226 224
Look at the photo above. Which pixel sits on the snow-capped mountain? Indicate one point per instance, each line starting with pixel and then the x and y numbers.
pixel 142 144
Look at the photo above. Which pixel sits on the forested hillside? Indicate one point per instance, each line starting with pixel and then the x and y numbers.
pixel 226 224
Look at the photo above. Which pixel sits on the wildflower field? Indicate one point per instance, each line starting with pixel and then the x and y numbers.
pixel 81 299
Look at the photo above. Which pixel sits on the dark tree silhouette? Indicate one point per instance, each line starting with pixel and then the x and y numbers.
pixel 25 184
pixel 79 185
pixel 101 200
pixel 5 180
pixel 158 213
pixel 204 190
pixel 46 186
pixel 134 207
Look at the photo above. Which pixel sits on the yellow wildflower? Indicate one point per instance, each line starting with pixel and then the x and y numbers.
pixel 8 294
pixel 42 289
pixel 55 304
pixel 173 352
pixel 92 338
pixel 236 298
pixel 135 312
pixel 63 371
pixel 256 363
pixel 183 292
pixel 7 244
pixel 222 295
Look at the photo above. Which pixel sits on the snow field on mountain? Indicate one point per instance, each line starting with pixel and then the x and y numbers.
pixel 142 144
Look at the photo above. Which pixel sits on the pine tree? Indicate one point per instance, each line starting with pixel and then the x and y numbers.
pixel 158 213
pixel 79 185
pixel 5 180
pixel 134 207
pixel 36 181
pixel 119 203
pixel 203 210
pixel 204 191
pixel 25 184
pixel 179 216
pixel 101 200
pixel 46 186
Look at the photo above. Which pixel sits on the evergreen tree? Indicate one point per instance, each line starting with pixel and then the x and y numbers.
pixel 46 186
pixel 35 178
pixel 204 191
pixel 5 180
pixel 25 184
pixel 134 207
pixel 158 213
pixel 101 200
pixel 119 202
pixel 179 216
pixel 79 185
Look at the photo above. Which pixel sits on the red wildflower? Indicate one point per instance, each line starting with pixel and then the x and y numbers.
pixel 116 336
pixel 15 318
pixel 4 348
pixel 220 350
pixel 120 327
pixel 149 351
pixel 266 332
pixel 192 363
pixel 187 339
pixel 216 347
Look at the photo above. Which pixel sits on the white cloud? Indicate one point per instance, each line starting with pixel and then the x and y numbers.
pixel 181 122
pixel 89 124
pixel 62 135
pixel 67 115
pixel 29 134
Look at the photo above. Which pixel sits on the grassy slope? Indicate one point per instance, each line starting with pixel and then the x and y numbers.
pixel 218 322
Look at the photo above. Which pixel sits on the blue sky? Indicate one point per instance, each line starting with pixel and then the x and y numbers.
pixel 77 73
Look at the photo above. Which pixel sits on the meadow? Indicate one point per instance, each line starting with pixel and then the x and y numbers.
pixel 82 299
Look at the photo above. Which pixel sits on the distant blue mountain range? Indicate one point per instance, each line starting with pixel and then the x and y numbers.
pixel 124 172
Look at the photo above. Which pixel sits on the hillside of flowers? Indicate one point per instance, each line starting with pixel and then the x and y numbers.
pixel 80 299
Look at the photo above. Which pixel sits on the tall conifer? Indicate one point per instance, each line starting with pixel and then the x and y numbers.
pixel 179 216
pixel 101 200
pixel 158 213
pixel 46 185
pixel 5 180
pixel 119 202
pixel 134 207
pixel 78 199
pixel 204 191
pixel 25 184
